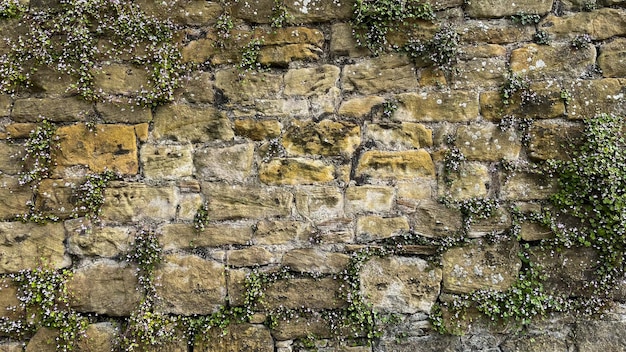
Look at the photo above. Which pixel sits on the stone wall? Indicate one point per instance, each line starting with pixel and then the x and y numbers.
pixel 327 172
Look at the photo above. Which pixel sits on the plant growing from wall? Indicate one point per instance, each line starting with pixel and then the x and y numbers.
pixel 37 160
pixel 201 219
pixel 526 19
pixel 280 15
pixel 442 51
pixel 89 196
pixel 11 9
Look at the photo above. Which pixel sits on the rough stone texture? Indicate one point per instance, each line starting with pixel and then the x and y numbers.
pixel 119 111
pixel 549 140
pixel 9 303
pixel 545 62
pixel 453 106
pixel 497 32
pixel 309 260
pixel 384 74
pixel 471 181
pixel 44 340
pixel 311 81
pixel 14 198
pixel 233 164
pixel 120 79
pixel 568 270
pixel 535 343
pixel 433 219
pixel 304 293
pixel 105 287
pixel 295 171
pixel 28 245
pixel 108 147
pixel 319 203
pixel 251 256
pixel 612 58
pixel 240 337
pixel 236 202
pixel 590 97
pixel 399 165
pixel 166 161
pixel 86 240
pixel 199 88
pixel 10 157
pixel 600 335
pixel 190 285
pixel 479 73
pixel 342 43
pixel 184 123
pixel 281 232
pixel 99 337
pixel 400 284
pixel 487 142
pixel 599 24
pixel 326 138
pixel 528 186
pixel 545 103
pixel 131 202
pixel 12 347
pixel 257 130
pixel 501 8
pixel 54 109
pixel 320 10
pixel 359 107
pixel 369 199
pixel 406 135
pixel 185 236
pixel 373 228
pixel 480 265
pixel 252 86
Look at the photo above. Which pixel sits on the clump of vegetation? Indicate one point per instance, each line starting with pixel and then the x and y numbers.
pixel 442 50
pixel 249 57
pixel 526 19
pixel 39 148
pixel 89 195
pixel 541 37
pixel 514 85
pixel 581 41
pixel 201 219
pixel 11 9
pixel 280 15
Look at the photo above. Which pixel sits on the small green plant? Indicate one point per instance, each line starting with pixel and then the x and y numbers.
pixel 589 5
pixel 526 19
pixel 566 96
pixel 516 84
pixel 280 15
pixel 223 28
pixel 581 41
pixel 541 37
pixel 37 159
pixel 442 50
pixel 11 9
pixel 373 20
pixel 201 219
pixel 89 196
pixel 389 107
pixel 453 160
pixel 249 57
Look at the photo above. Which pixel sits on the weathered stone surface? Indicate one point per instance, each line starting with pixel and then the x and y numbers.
pixel 119 111
pixel 12 347
pixel 342 42
pixel 400 284
pixel 166 161
pixel 320 10
pixel 281 108
pixel 534 232
pixel 554 61
pixel 472 180
pixel 567 271
pixel 253 86
pixel 481 266
pixel 269 232
pixel 240 337
pixel 479 73
pixel 131 202
pixel 405 135
pixel 598 335
pixel 454 106
pixel 374 228
pixel 105 287
pixel 496 32
pixel 295 171
pixel 251 256
pixel 233 164
pixel 199 88
pixel 552 140
pixel 282 55
pixel 85 240
pixel 44 340
pixel 99 337
pixel 9 303
pixel 612 58
pixel 108 147
pixel 14 198
pixel 545 103
pixel 311 81
pixel 528 186
pixel 501 8
pixel 52 82
pixel 432 219
pixel 5 104
pixel 185 236
pixel 53 109
pixel 189 12
pixel 369 199
pixel 311 260
pixel 599 24
pixel 390 73
pixel 257 130
pixel 304 293
pixel 487 142
pixel 360 107
pixel 326 138
pixel 237 202
pixel 188 205
pixel 535 343
pixel 411 194
pixel 398 165
pixel 29 245
pixel 301 327
pixel 120 79
pixel 191 124
pixel 591 97
pixel 190 285
pixel 319 203
pixel 430 342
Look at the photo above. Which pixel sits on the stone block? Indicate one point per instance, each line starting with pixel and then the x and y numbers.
pixel 5 104
pixel 535 343
pixel 99 337
pixel 528 186
pixel 560 61
pixel 326 138
pixel 295 171
pixel 392 73
pixel 375 228
pixel 105 287
pixel 131 202
pixel 258 85
pixel 405 135
pixel 612 58
pixel 497 32
pixel 119 111
pixel 481 266
pixel 471 181
pixel 411 194
pixel 320 10
pixel 257 130
pixel 319 203
pixel 166 161
pixel 567 271
pixel 599 24
pixel 188 284
pixel 250 256
pixel 598 335
pixel 14 198
pixel 185 236
pixel 552 140
pixel 185 123
pixel 119 79
pixel 360 107
pixel 53 109
pixel 591 97
pixel 52 82
pixel 9 303
pixel 108 147
pixel 245 202
pixel 282 55
pixel 185 12
pixel 311 81
pixel 315 294
pixel 545 103
pixel 272 232
pixel 403 165
pixel 400 284
pixel 487 142
pixel 432 219
pixel 239 337
pixel 301 327
pixel 199 87
pixel 342 42
pixel 232 164
pixel 479 73
pixel 501 8
pixel 86 240
pixel 360 199
pixel 276 108
pixel 311 260
pixel 454 106
pixel 30 245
